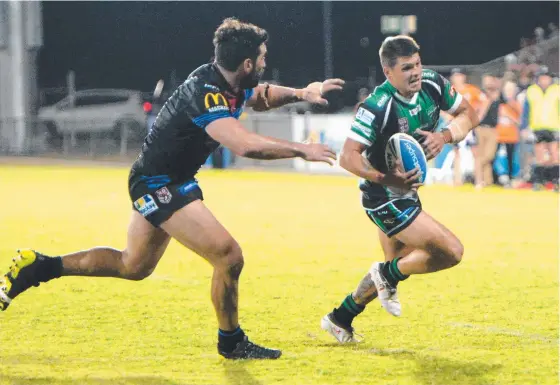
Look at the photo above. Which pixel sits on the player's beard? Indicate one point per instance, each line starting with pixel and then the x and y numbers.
pixel 252 79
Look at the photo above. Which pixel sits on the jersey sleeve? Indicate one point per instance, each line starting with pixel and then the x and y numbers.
pixel 206 107
pixel 365 126
pixel 450 98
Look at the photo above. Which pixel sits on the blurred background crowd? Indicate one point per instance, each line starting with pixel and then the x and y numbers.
pixel 87 79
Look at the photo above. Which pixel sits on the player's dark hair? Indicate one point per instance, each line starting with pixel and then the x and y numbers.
pixel 395 47
pixel 235 41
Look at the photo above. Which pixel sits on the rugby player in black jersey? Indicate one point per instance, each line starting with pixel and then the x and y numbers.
pixel 167 202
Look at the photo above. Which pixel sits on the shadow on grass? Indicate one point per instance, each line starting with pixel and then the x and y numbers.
pixel 435 370
pixel 236 374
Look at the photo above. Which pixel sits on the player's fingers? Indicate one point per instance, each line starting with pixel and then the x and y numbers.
pixel 415 177
pixel 412 172
pixel 330 151
pixel 336 81
pixel 423 133
pixel 331 87
pixel 327 160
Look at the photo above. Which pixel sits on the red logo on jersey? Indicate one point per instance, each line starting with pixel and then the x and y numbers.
pixel 452 91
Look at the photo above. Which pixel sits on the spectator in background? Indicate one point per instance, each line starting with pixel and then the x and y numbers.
pixel 524 80
pixel 486 133
pixel 509 116
pixel 552 31
pixel 540 117
pixel 363 93
pixel 479 102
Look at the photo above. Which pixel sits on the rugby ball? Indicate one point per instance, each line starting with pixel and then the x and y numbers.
pixel 410 153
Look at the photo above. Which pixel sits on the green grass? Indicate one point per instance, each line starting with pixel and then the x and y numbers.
pixel 491 320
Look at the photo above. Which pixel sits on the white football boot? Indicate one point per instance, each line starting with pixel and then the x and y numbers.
pixel 386 293
pixel 342 334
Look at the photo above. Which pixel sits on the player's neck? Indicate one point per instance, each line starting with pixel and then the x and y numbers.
pixel 231 77
pixel 405 95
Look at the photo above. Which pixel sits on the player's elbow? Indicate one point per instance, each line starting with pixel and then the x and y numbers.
pixel 345 160
pixel 475 120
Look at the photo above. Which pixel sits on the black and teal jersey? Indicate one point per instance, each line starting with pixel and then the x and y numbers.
pixel 177 144
pixel 385 112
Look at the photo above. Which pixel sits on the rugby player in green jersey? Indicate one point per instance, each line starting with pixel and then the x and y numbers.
pixel 409 101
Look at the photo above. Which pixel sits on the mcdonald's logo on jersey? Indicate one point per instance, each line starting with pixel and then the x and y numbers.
pixel 215 102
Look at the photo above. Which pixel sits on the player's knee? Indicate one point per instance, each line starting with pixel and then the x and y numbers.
pixel 135 271
pixel 455 252
pixel 139 273
pixel 230 258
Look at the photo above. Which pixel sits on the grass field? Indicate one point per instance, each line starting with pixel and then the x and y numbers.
pixel 491 320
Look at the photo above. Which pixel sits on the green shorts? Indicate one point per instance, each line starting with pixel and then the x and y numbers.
pixel 395 215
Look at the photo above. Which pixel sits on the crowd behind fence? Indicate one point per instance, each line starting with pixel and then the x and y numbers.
pixel 511 160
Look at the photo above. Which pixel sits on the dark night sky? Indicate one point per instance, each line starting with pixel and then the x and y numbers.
pixel 132 44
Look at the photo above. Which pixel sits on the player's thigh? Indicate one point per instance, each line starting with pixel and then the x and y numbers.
pixel 392 247
pixel 428 234
pixel 195 227
pixel 145 243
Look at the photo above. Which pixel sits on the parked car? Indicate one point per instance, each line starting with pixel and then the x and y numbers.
pixel 96 111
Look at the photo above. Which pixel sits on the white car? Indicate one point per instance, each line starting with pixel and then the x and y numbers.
pixel 96 111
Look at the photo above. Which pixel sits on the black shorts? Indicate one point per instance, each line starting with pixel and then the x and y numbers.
pixel 156 198
pixel 395 215
pixel 545 136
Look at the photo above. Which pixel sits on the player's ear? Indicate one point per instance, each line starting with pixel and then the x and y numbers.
pixel 387 72
pixel 248 66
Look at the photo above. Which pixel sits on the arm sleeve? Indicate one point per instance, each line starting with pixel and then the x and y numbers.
pixel 365 126
pixel 450 98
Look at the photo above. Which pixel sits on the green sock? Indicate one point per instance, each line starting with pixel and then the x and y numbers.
pixel 392 273
pixel 347 310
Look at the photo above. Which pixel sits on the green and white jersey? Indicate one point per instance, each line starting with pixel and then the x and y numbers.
pixel 385 112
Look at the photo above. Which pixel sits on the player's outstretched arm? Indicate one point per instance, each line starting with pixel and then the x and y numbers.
pixel 351 160
pixel 268 96
pixel 230 133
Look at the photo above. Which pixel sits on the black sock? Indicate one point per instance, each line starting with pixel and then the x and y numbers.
pixel 228 340
pixel 392 273
pixel 50 268
pixel 551 174
pixel 538 175
pixel 347 310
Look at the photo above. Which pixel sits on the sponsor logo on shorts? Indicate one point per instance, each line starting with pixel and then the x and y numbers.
pixel 146 205
pixel 187 187
pixel 164 195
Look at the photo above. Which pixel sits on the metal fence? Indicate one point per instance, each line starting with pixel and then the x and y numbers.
pixel 70 138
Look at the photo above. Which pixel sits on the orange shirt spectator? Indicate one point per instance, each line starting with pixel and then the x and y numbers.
pixel 509 115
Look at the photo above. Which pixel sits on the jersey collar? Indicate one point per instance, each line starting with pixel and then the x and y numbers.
pixel 219 78
pixel 412 101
